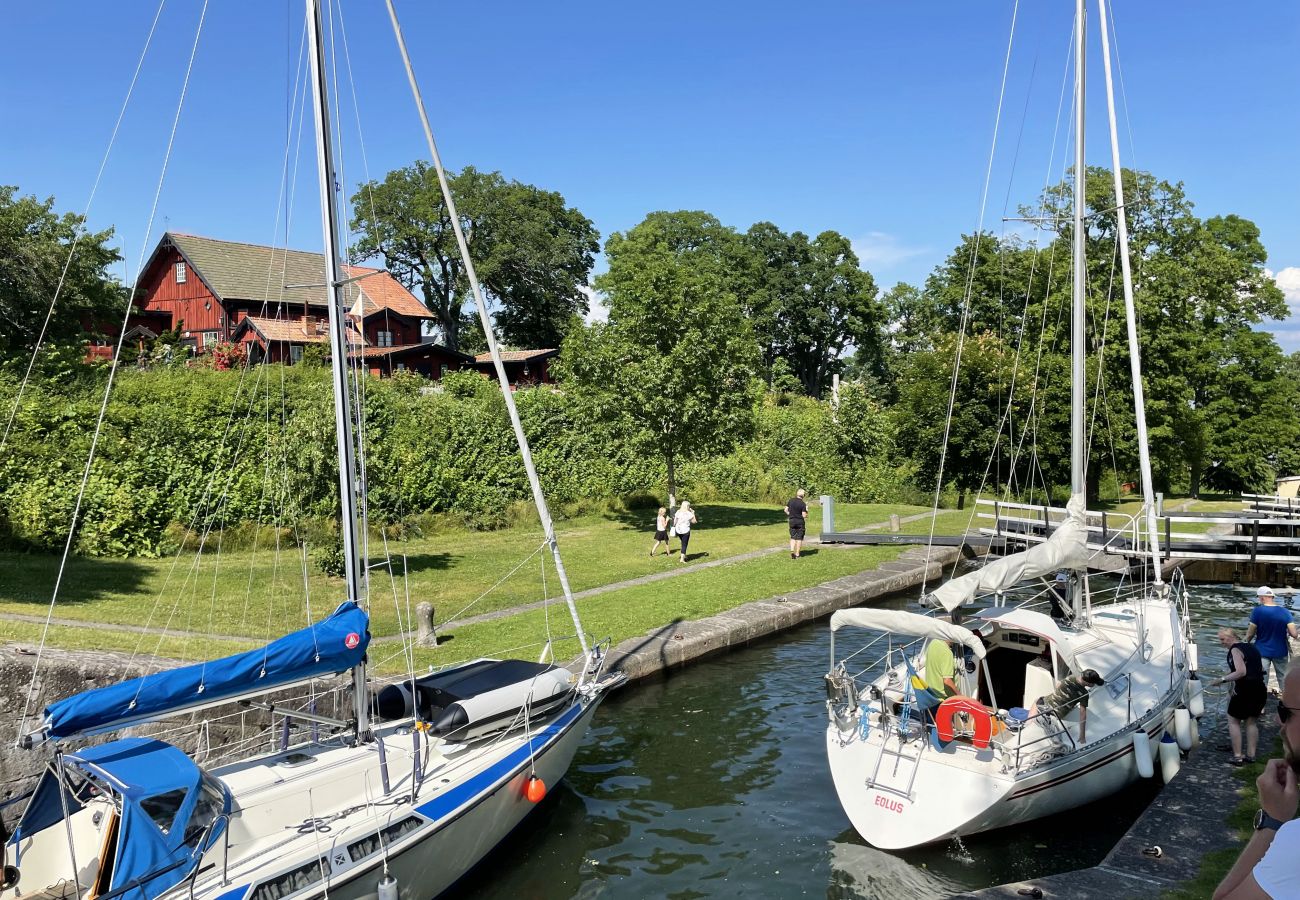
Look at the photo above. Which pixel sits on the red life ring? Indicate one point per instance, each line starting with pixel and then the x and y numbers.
pixel 979 717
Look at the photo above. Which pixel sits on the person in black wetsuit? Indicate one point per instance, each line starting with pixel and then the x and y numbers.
pixel 1246 675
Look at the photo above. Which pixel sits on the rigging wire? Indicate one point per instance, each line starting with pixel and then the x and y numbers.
pixel 76 240
pixel 108 388
pixel 965 313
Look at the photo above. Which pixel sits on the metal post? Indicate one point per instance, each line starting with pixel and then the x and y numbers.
pixel 828 515
pixel 1078 319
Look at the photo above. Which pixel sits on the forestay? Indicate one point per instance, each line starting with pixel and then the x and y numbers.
pixel 1067 548
pixel 334 645
pixel 897 621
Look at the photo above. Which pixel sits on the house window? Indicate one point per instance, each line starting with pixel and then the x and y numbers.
pixel 385 339
pixel 401 367
pixel 180 273
pixel 442 372
pixel 295 352
pixel 211 339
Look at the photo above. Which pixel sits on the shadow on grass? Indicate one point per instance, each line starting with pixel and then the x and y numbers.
pixel 425 562
pixel 710 515
pixel 30 578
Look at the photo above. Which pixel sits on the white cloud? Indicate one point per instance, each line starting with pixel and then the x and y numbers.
pixel 597 311
pixel 878 249
pixel 1289 281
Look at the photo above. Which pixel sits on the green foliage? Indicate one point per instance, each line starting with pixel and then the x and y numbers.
pixel 531 251
pixel 37 264
pixel 674 367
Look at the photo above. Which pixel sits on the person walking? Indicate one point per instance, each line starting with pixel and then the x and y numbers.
pixel 1246 675
pixel 682 522
pixel 1269 628
pixel 796 511
pixel 661 532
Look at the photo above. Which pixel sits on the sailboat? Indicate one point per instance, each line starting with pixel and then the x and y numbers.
pixel 911 767
pixel 398 793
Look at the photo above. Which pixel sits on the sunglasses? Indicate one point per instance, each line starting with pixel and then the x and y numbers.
pixel 1284 712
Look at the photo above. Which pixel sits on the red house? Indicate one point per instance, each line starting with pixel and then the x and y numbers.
pixel 273 301
pixel 524 368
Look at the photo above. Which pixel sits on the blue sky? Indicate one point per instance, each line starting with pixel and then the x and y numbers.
pixel 871 118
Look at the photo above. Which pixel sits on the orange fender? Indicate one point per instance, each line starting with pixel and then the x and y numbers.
pixel 979 716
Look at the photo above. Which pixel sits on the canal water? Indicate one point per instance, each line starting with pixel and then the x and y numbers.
pixel 712 782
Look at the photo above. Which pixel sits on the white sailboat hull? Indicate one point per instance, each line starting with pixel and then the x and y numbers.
pixel 906 793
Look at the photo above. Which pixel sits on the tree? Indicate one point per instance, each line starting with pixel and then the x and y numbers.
pixel 809 301
pixel 675 365
pixel 533 253
pixel 35 246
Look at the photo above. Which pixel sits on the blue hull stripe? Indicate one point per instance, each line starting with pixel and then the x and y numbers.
pixel 448 802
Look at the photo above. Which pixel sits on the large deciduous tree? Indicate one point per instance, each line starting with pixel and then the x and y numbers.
pixel 532 252
pixel 36 245
pixel 675 365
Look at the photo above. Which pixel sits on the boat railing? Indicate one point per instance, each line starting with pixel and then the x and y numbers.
pixel 223 818
pixel 1051 734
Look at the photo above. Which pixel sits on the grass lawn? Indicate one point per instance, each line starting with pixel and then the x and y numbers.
pixel 255 595
pixel 1241 821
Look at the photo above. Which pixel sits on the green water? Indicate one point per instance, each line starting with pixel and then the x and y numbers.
pixel 712 782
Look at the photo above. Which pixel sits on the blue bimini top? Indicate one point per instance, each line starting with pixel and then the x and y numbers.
pixel 170 811
pixel 334 645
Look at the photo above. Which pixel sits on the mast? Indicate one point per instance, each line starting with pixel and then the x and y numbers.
pixel 1078 366
pixel 1130 312
pixel 539 498
pixel 348 483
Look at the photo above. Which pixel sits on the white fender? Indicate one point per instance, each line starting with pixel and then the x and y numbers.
pixel 1192 659
pixel 1142 753
pixel 1196 734
pixel 1195 697
pixel 1183 728
pixel 1170 760
pixel 387 888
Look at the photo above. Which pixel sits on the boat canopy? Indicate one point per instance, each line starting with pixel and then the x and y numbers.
pixel 167 805
pixel 897 621
pixel 1027 620
pixel 1066 548
pixel 333 645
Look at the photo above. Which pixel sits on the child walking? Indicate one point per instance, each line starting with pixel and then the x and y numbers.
pixel 661 532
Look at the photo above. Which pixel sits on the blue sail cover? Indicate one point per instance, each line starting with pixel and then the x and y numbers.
pixel 331 646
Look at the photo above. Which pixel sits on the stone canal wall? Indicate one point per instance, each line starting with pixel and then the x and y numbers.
pixel 678 643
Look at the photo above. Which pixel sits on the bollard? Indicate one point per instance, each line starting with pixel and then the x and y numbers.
pixel 426 635
pixel 895 523
pixel 828 514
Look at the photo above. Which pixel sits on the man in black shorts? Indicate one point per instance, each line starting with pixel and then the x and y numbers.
pixel 796 511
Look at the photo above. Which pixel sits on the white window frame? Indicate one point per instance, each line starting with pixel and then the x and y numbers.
pixel 211 339
pixel 295 353
pixel 181 272
pixel 383 339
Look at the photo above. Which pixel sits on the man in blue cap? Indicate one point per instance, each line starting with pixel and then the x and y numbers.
pixel 1270 625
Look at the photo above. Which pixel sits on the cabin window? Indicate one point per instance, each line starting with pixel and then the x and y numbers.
pixel 210 805
pixel 292 882
pixel 384 339
pixel 295 352
pixel 162 808
pixel 180 273
pixel 211 339
pixel 371 845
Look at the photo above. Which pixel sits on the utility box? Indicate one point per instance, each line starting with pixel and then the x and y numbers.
pixel 828 514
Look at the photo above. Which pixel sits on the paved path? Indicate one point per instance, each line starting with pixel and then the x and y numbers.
pixel 114 626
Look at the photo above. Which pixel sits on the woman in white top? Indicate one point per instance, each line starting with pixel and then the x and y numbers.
pixel 682 521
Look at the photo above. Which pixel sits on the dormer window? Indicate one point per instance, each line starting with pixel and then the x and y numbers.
pixel 180 272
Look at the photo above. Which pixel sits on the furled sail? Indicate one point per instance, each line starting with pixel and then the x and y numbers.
pixel 333 645
pixel 1066 548
pixel 898 621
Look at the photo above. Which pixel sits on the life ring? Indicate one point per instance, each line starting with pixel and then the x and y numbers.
pixel 979 715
